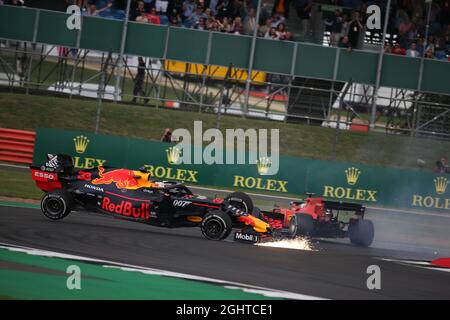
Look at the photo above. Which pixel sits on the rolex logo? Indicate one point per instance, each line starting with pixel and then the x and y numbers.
pixel 81 143
pixel 173 155
pixel 352 175
pixel 441 184
pixel 263 164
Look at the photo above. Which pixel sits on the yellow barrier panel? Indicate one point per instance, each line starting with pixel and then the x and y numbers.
pixel 216 72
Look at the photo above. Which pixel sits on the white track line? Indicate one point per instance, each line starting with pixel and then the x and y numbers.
pixel 272 293
pixel 418 264
pixel 13 166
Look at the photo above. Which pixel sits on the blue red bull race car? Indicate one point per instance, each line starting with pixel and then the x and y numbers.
pixel 133 195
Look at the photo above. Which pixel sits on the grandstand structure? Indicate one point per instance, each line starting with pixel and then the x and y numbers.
pixel 208 71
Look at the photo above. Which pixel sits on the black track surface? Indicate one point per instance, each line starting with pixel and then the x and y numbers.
pixel 335 270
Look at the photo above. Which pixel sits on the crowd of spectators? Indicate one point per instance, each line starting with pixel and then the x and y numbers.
pixel 407 25
pixel 228 16
pixel 407 21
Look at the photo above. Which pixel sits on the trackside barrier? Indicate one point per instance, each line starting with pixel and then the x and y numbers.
pixel 17 145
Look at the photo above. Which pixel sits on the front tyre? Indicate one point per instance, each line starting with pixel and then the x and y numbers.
pixel 241 201
pixel 216 225
pixel 56 204
pixel 361 233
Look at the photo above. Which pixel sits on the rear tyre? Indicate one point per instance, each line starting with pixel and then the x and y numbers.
pixel 241 201
pixel 216 225
pixel 305 224
pixel 56 204
pixel 292 227
pixel 361 233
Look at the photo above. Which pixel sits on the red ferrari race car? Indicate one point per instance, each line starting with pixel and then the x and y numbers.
pixel 315 217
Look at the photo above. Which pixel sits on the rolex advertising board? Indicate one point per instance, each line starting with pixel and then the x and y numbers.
pixel 333 180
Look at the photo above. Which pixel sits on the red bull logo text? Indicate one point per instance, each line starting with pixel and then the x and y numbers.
pixel 126 208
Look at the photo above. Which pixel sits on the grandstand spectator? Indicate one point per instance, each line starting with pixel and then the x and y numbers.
pixel 197 15
pixel 281 7
pixel 429 54
pixel 238 9
pixel 420 46
pixel 143 18
pixel 174 8
pixel 149 5
pixel 15 3
pixel 398 50
pixel 138 11
pixel 405 29
pixel 281 31
pixel 289 36
pixel 153 17
pixel 237 27
pixel 225 25
pixel 430 44
pixel 412 51
pixel 213 25
pixel 93 11
pixel 303 8
pixel 387 47
pixel 175 21
pixel 355 28
pixel 225 9
pixel 444 16
pixel 345 43
pixel 201 24
pixel 264 28
pixel 271 34
pixel 276 20
pixel 442 165
pixel 189 7
pixel 208 13
pixel 250 23
pixel 336 26
pixel 213 6
pixel 81 3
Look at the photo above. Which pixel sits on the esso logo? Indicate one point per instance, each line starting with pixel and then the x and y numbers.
pixel 181 203
pixel 45 175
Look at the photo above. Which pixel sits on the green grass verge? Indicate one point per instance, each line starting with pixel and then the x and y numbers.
pixel 18 184
pixel 35 277
pixel 29 112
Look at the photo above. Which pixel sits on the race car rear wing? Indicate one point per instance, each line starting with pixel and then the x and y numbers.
pixel 49 175
pixel 345 206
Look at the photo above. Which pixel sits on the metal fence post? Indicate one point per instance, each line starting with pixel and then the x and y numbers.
pixel 416 111
pixel 335 72
pixel 380 68
pixel 122 49
pixel 291 76
pixel 251 58
pixel 33 46
pixel 205 70
pixel 78 56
